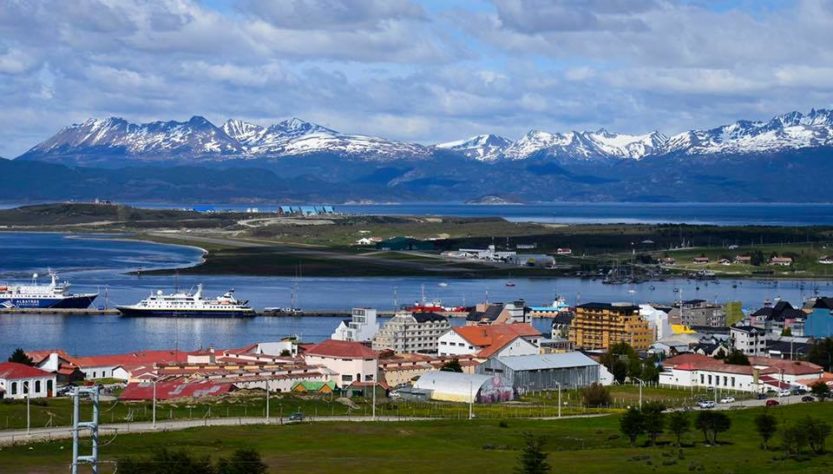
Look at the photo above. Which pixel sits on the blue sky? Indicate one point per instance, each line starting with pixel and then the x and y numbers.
pixel 424 71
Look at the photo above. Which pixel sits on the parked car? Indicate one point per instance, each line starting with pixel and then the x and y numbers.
pixel 807 399
pixel 706 404
pixel 727 400
pixel 772 403
pixel 761 396
pixel 297 416
pixel 784 393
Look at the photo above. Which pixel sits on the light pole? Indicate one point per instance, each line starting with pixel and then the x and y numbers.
pixel 267 401
pixel 641 383
pixel 28 413
pixel 373 388
pixel 471 401
pixel 559 398
pixel 154 402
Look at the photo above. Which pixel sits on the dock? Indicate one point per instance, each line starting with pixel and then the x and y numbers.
pixel 62 311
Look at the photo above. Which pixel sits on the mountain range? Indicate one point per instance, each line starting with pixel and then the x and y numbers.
pixel 771 160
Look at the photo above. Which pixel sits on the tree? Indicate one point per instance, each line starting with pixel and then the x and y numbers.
pixel 19 356
pixel 737 357
pixel 165 461
pixel 821 353
pixel 720 423
pixel 757 258
pixel 452 366
pixel 679 424
pixel 817 432
pixel 793 439
pixel 632 424
pixel 654 420
pixel 533 459
pixel 243 461
pixel 821 390
pixel 596 395
pixel 787 332
pixel 703 422
pixel 619 371
pixel 766 425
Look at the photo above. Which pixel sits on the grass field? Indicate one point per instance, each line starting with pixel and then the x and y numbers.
pixel 586 445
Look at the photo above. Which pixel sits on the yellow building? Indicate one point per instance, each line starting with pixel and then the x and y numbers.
pixel 600 325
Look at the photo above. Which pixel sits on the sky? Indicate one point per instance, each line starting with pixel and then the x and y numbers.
pixel 421 71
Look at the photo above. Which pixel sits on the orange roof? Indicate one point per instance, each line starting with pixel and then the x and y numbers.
pixel 343 349
pixel 132 359
pixel 495 337
pixel 767 365
pixel 39 356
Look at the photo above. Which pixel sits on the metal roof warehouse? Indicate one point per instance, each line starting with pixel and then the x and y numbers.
pixel 529 373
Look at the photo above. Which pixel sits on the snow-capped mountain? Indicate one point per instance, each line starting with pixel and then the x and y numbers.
pixel 199 138
pixel 789 131
pixel 480 147
pixel 99 140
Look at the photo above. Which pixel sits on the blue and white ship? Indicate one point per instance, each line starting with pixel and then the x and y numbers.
pixel 34 296
pixel 188 305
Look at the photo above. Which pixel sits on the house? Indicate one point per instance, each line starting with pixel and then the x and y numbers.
pixel 532 373
pixel 57 362
pixel 464 388
pixel 600 325
pixel 763 373
pixel 121 366
pixel 724 261
pixel 667 261
pixel 819 323
pixel 348 361
pixel 776 318
pixel 492 340
pixel 561 324
pixel 657 319
pixel 700 260
pixel 401 370
pixel 362 326
pixel 781 261
pixel 412 332
pixel 172 390
pixel 826 260
pixel 563 251
pixel 748 339
pixel 743 259
pixel 17 381
pixel 498 313
pixel 310 386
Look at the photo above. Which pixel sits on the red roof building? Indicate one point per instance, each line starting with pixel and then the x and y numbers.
pixel 18 381
pixel 174 390
pixel 341 349
pixel 486 341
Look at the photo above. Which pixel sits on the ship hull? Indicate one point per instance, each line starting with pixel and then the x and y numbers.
pixel 183 313
pixel 69 302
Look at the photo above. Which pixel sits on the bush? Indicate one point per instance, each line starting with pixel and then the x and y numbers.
pixel 503 424
pixel 164 461
pixel 596 395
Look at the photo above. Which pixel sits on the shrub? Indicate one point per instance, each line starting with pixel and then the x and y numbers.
pixel 596 395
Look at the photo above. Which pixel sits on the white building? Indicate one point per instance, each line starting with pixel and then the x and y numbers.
pixel 361 328
pixel 749 340
pixel 657 319
pixel 491 340
pixel 18 380
pixel 412 332
pixel 348 361
pixel 763 373
pixel 465 388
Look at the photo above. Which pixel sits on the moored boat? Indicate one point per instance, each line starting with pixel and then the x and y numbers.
pixel 188 305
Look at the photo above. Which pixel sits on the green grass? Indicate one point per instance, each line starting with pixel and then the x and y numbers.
pixel 586 445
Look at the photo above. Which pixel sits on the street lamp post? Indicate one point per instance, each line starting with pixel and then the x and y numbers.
pixel 154 403
pixel 267 401
pixel 641 383
pixel 28 412
pixel 471 401
pixel 559 398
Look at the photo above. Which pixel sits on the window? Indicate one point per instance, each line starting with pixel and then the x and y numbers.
pixel 37 386
pixel 14 388
pixel 733 381
pixel 346 378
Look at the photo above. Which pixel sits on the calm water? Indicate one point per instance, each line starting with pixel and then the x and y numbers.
pixel 98 264
pixel 792 214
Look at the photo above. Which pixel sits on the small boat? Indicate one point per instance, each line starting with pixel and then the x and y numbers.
pixel 442 284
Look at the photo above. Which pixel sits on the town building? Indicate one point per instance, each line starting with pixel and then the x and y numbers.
pixel 701 260
pixel 743 259
pixel 819 323
pixel 405 369
pixel 491 340
pixel 775 319
pixel 763 373
pixel 347 361
pixel 781 261
pixel 412 332
pixel 657 318
pixel 698 312
pixel 533 373
pixel 173 390
pixel 57 362
pixel 464 388
pixel 19 381
pixel 600 325
pixel 749 340
pixel 498 313
pixel 362 327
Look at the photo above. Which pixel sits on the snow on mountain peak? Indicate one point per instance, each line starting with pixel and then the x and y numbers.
pixel 480 147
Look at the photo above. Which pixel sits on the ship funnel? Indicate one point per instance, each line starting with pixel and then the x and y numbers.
pixel 199 291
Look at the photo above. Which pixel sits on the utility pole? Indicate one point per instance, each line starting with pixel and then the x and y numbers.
pixel 267 402
pixel 28 411
pixel 641 383
pixel 375 375
pixel 559 399
pixel 92 425
pixel 471 401
pixel 154 402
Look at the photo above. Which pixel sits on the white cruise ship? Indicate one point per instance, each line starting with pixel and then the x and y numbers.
pixel 188 305
pixel 56 294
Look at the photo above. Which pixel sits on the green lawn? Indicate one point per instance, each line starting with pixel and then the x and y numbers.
pixel 587 445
